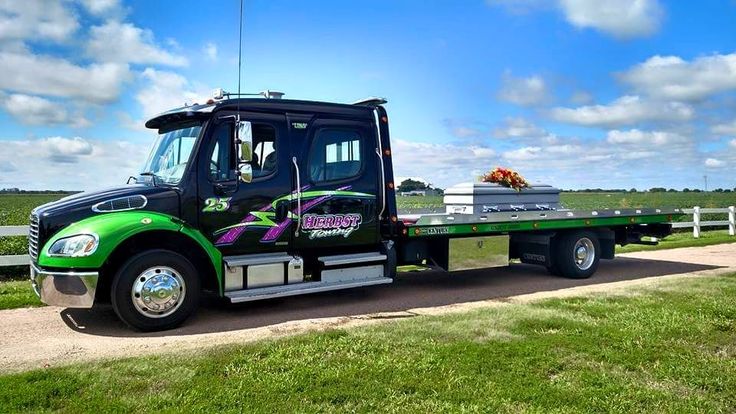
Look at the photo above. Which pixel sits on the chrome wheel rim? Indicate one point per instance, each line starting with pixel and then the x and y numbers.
pixel 158 292
pixel 584 253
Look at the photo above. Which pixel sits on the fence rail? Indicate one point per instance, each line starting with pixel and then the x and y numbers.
pixel 697 224
pixel 13 231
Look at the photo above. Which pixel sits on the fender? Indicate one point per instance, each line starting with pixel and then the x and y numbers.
pixel 112 229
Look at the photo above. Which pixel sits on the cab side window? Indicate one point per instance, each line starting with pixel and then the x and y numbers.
pixel 221 165
pixel 335 155
pixel 264 150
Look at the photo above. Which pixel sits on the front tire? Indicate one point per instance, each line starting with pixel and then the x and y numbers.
pixel 155 290
pixel 577 254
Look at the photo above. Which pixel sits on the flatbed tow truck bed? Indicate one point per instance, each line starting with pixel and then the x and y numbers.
pixel 423 225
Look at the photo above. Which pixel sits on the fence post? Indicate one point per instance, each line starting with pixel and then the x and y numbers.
pixel 732 221
pixel 696 222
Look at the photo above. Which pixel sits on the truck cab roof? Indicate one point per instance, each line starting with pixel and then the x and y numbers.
pixel 361 108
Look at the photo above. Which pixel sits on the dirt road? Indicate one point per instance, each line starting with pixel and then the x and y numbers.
pixel 51 336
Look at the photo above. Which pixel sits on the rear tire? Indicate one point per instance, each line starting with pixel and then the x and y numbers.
pixel 155 290
pixel 554 270
pixel 577 254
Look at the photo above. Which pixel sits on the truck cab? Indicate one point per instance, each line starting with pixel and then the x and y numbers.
pixel 246 198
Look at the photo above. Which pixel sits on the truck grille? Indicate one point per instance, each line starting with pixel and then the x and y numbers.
pixel 33 237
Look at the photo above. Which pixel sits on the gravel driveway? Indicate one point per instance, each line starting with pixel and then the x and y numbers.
pixel 51 336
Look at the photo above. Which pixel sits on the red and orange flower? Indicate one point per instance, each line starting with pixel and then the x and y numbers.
pixel 505 177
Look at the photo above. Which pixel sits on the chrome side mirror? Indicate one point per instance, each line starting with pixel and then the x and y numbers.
pixel 245 172
pixel 245 139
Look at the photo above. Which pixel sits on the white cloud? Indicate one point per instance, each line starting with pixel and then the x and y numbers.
pixel 442 164
pixel 164 90
pixel 125 43
pixel 620 18
pixel 210 51
pixel 465 132
pixel 523 154
pixel 635 136
pixel 65 150
pixel 517 127
pixel 714 163
pixel 102 7
pixel 97 163
pixel 732 143
pixel 34 110
pixel 523 91
pixel 50 20
pixel 49 76
pixel 671 77
pixel 725 129
pixel 626 110
pixel 581 98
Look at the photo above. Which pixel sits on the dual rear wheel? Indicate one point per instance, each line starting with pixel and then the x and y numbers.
pixel 575 255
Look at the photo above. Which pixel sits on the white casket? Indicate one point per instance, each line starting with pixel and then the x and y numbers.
pixel 480 198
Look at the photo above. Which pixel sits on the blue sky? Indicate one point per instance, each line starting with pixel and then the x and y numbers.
pixel 575 93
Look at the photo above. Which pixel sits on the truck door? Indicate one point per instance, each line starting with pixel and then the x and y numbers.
pixel 338 174
pixel 238 217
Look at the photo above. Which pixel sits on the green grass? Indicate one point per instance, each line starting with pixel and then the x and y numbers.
pixel 670 349
pixel 683 239
pixel 17 294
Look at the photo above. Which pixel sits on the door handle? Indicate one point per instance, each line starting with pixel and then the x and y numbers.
pixel 226 187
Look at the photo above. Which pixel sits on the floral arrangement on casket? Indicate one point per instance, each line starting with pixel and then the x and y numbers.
pixel 505 177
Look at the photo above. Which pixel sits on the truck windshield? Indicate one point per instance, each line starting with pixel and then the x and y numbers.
pixel 171 152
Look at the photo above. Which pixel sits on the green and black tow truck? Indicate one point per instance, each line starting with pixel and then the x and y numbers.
pixel 254 199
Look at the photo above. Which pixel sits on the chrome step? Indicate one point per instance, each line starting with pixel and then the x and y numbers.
pixel 248 295
pixel 257 259
pixel 345 259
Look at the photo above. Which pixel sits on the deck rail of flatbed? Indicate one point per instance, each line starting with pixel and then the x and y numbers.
pixel 511 221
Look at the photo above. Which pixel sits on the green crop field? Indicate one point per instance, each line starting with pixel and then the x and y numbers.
pixel 15 208
pixel 607 200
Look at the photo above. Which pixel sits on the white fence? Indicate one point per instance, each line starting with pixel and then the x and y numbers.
pixel 15 259
pixel 696 224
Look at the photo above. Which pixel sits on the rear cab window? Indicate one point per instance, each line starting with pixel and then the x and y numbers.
pixel 336 155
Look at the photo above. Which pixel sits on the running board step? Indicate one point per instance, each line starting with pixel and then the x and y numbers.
pixel 346 259
pixel 248 295
pixel 256 259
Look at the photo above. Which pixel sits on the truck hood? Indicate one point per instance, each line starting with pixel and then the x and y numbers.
pixel 57 214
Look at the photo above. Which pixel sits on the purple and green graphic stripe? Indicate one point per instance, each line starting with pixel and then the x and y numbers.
pixel 265 216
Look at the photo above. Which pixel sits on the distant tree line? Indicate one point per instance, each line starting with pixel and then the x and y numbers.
pixel 19 191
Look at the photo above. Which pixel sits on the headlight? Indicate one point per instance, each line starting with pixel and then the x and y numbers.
pixel 75 246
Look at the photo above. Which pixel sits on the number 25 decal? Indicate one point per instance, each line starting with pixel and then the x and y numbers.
pixel 216 204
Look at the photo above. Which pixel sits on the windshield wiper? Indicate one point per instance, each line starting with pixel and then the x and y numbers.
pixel 150 174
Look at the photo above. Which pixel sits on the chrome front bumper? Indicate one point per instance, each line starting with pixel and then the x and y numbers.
pixel 68 289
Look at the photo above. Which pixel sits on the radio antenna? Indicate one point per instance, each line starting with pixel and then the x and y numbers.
pixel 240 56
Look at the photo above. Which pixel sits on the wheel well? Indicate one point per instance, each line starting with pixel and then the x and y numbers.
pixel 157 239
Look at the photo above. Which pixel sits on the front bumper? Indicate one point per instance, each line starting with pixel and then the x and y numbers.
pixel 68 289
